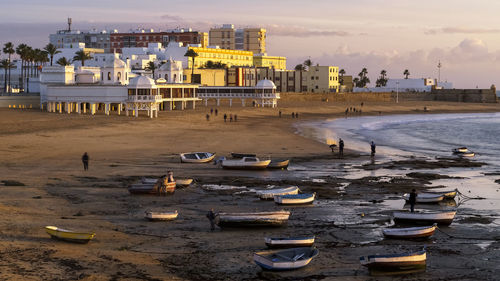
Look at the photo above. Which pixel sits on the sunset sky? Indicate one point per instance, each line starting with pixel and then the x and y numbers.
pixel 390 35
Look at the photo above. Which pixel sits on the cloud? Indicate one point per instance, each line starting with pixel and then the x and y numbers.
pixel 298 31
pixel 172 18
pixel 461 30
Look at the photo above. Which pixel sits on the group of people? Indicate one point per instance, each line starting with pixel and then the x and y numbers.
pixel 216 111
pixel 373 148
pixel 353 109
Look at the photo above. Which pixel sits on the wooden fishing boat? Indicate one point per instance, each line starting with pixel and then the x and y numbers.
pixel 425 197
pixel 448 194
pixel 197 157
pixel 278 218
pixel 288 259
pixel 410 232
pixel 395 261
pixel 289 242
pixel 183 182
pixel 241 155
pixel 443 218
pixel 151 188
pixel 69 235
pixel 270 193
pixel 161 216
pixel 278 164
pixel 245 163
pixel 295 199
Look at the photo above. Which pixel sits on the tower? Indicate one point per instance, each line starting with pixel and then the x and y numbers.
pixel 69 24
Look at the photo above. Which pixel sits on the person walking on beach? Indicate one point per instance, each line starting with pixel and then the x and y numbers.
pixel 211 218
pixel 296 115
pixel 216 112
pixel 412 200
pixel 341 148
pixel 85 160
pixel 208 117
pixel 280 113
pixel 230 118
pixel 235 118
pixel 293 114
pixel 211 111
pixel 225 117
pixel 373 147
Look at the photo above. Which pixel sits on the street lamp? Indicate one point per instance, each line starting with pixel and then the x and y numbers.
pixel 397 92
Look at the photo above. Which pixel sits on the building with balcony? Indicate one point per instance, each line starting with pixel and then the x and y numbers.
pixel 246 39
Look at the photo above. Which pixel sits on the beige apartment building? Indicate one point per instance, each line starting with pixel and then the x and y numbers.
pixel 322 79
pixel 247 39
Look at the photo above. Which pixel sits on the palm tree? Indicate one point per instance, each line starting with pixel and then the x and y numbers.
pixel 342 73
pixel 356 82
pixel 383 73
pixel 82 56
pixel 381 81
pixel 363 78
pixel 63 61
pixel 21 51
pixel 6 65
pixel 406 73
pixel 151 66
pixel 299 67
pixel 192 54
pixel 9 50
pixel 51 50
pixel 307 63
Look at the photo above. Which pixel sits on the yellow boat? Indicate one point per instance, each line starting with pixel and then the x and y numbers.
pixel 68 235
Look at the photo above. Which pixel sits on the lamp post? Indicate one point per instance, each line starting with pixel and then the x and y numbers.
pixel 439 72
pixel 397 92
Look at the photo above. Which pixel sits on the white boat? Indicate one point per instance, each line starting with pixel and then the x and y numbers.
pixel 245 163
pixel 425 197
pixel 288 259
pixel 463 152
pixel 444 218
pixel 410 232
pixel 252 219
pixel 279 164
pixel 161 216
pixel 395 261
pixel 460 150
pixel 289 242
pixel 269 194
pixel 183 182
pixel 448 194
pixel 295 199
pixel 197 157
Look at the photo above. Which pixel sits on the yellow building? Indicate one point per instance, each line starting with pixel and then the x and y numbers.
pixel 322 79
pixel 206 77
pixel 228 57
pixel 204 39
pixel 254 40
pixel 224 37
pixel 262 60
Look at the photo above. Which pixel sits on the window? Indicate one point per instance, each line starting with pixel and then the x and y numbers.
pixel 175 78
pixel 166 77
pixel 102 76
pixel 109 75
pixel 119 76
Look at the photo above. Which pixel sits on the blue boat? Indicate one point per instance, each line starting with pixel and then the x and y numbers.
pixel 295 199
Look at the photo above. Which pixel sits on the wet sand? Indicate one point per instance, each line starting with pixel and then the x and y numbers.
pixel 43 151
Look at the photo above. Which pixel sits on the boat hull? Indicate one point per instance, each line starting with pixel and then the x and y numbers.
pixel 297 199
pixel 395 262
pixel 447 194
pixel 426 198
pixel 280 243
pixel 184 182
pixel 192 158
pixel 263 219
pixel 443 218
pixel 158 216
pixel 269 194
pixel 279 164
pixel 68 235
pixel 267 261
pixel 409 233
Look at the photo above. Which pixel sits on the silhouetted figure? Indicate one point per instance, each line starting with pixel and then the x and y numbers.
pixel 362 103
pixel 296 115
pixel 216 112
pixel 208 117
pixel 280 113
pixel 341 147
pixel 230 118
pixel 225 117
pixel 211 218
pixel 332 147
pixel 85 160
pixel 235 118
pixel 373 147
pixel 293 114
pixel 412 200
pixel 211 111
pixel 346 112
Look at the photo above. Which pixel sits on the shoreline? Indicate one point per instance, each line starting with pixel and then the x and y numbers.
pixel 43 150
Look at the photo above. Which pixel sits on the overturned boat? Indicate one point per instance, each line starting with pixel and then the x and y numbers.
pixel 245 163
pixel 270 193
pixel 288 259
pixel 443 218
pixel 295 199
pixel 425 197
pixel 402 261
pixel 289 242
pixel 161 216
pixel 277 218
pixel 69 235
pixel 197 157
pixel 410 232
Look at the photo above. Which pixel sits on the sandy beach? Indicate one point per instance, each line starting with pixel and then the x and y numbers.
pixel 43 152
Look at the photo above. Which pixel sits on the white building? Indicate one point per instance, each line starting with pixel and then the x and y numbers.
pixel 171 71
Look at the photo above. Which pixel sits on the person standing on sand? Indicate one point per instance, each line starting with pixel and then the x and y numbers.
pixel 216 112
pixel 211 111
pixel 280 113
pixel 230 118
pixel 296 115
pixel 373 147
pixel 412 200
pixel 225 117
pixel 85 160
pixel 211 218
pixel 235 118
pixel 293 114
pixel 341 148
pixel 208 117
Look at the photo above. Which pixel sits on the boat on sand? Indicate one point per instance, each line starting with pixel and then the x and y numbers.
pixel 69 235
pixel 183 182
pixel 279 164
pixel 277 218
pixel 161 216
pixel 442 217
pixel 401 261
pixel 295 199
pixel 289 242
pixel 288 259
pixel 197 157
pixel 410 232
pixel 425 197
pixel 448 194
pixel 270 193
pixel 245 163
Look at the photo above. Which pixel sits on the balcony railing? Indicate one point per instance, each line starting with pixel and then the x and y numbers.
pixel 145 98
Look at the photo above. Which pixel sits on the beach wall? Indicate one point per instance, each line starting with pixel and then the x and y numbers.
pixel 450 95
pixel 20 101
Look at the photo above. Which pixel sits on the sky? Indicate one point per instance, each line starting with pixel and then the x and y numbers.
pixel 376 34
